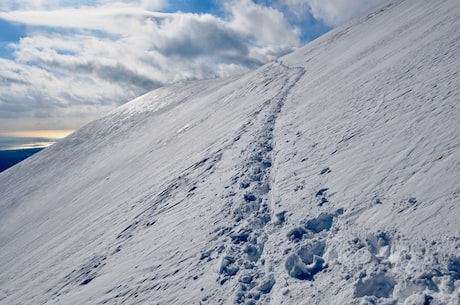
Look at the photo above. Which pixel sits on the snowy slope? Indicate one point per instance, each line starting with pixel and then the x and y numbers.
pixel 330 176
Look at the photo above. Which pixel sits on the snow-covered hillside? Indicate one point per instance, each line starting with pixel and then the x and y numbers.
pixel 331 176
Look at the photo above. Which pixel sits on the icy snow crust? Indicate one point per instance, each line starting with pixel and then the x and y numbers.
pixel 330 176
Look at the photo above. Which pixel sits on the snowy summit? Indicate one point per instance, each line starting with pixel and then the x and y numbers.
pixel 330 176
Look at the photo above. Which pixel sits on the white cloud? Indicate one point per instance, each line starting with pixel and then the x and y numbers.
pixel 14 5
pixel 267 24
pixel 31 97
pixel 113 19
pixel 84 59
pixel 332 12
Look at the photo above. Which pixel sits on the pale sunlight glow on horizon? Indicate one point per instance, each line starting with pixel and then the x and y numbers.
pixel 27 139
pixel 51 134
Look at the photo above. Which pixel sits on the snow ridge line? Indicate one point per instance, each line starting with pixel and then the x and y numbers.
pixel 252 212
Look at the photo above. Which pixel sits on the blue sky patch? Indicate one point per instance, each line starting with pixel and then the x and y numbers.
pixel 194 6
pixel 10 33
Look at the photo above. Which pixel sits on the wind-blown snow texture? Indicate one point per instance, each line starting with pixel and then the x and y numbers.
pixel 330 176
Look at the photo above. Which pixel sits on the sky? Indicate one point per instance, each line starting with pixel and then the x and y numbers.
pixel 65 63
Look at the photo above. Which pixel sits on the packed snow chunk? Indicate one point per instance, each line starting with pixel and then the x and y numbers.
pixel 246 279
pixel 420 298
pixel 253 252
pixel 321 223
pixel 297 269
pixel 244 185
pixel 379 244
pixel 267 284
pixel 249 197
pixel 379 285
pixel 296 234
pixel 309 251
pixel 454 267
pixel 241 237
pixel 426 281
pixel 228 266
pixel 407 289
pixel 281 217
pixel 307 261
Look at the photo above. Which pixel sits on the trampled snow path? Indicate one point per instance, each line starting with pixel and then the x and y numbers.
pixel 239 245
pixel 327 177
pixel 250 205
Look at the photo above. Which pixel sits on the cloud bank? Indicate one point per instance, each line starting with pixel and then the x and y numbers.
pixel 76 62
pixel 332 12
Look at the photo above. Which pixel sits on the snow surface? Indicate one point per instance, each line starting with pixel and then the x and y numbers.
pixel 330 176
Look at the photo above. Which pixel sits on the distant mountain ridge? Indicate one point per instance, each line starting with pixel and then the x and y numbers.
pixel 329 176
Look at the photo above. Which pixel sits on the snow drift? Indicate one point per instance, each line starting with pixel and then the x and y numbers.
pixel 330 176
